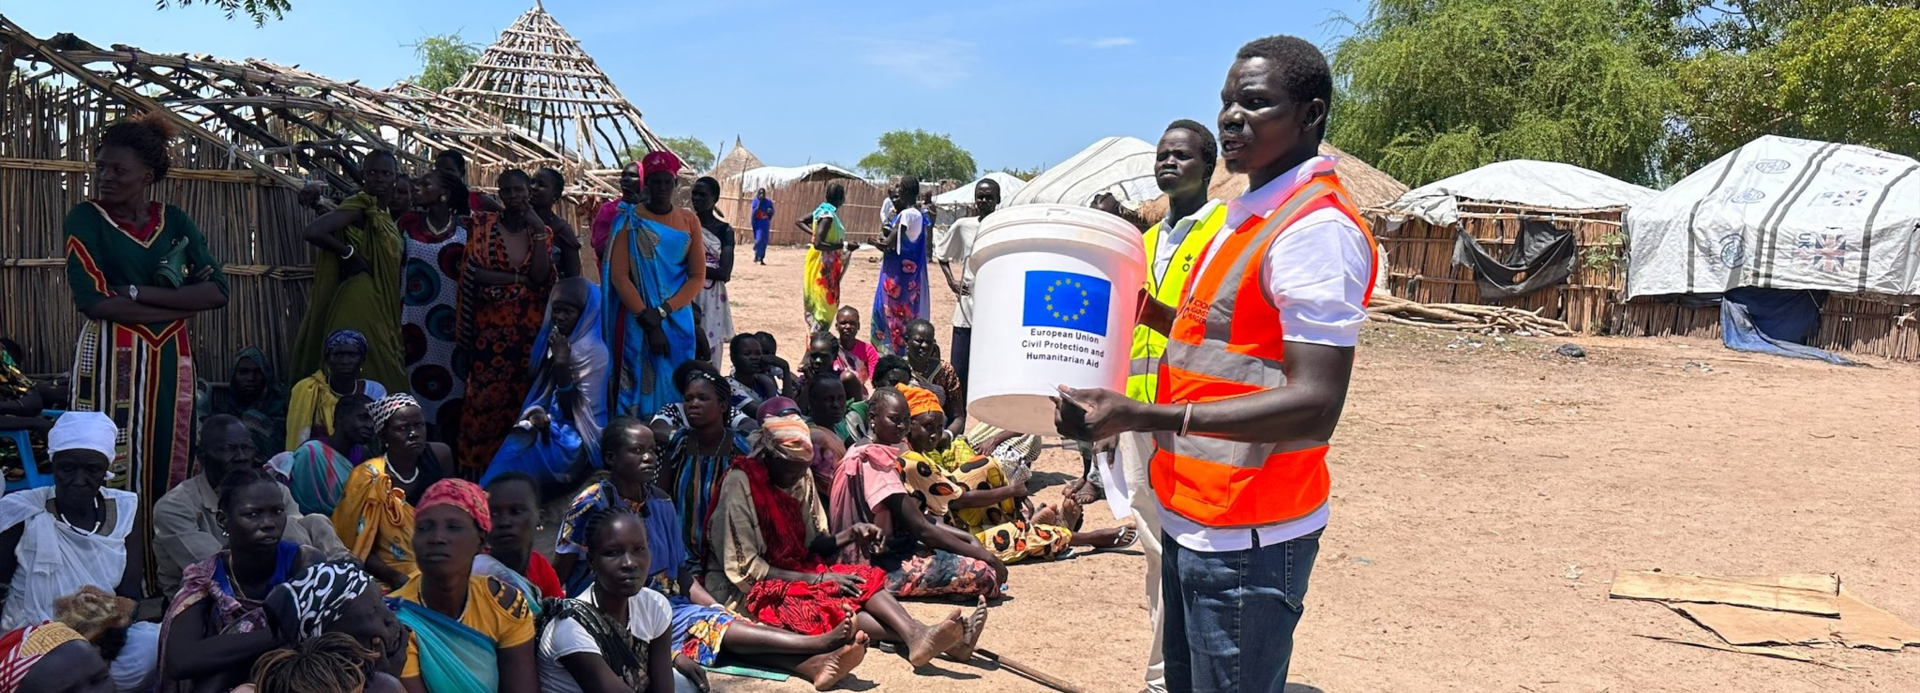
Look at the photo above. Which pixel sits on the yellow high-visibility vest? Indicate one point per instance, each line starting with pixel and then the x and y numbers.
pixel 1143 375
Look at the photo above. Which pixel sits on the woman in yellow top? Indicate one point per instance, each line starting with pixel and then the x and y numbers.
pixel 972 493
pixel 310 406
pixel 375 517
pixel 471 633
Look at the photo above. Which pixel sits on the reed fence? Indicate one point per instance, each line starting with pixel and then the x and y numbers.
pixel 1420 262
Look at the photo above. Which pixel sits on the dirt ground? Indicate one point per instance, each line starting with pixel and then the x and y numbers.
pixel 1484 494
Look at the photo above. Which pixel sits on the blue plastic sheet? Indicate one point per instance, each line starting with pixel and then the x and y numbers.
pixel 1773 321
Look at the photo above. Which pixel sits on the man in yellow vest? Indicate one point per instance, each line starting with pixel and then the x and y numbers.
pixel 1183 166
pixel 1258 358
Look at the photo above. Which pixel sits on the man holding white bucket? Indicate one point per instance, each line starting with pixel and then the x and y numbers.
pixel 1259 355
pixel 1183 166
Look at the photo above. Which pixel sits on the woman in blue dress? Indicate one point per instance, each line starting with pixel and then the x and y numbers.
pixel 901 294
pixel 652 278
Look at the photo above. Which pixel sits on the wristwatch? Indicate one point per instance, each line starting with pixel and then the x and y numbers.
pixel 664 313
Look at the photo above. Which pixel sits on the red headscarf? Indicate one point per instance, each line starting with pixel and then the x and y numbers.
pixel 461 494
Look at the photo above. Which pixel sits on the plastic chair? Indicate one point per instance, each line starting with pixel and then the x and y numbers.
pixel 35 476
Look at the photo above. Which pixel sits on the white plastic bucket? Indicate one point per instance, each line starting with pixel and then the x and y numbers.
pixel 1055 293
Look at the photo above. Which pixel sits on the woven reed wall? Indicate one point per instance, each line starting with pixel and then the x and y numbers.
pixel 797 201
pixel 1866 324
pixel 1420 262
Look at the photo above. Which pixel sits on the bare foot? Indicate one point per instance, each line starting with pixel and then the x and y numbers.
pixel 1070 513
pixel 975 624
pixel 1046 515
pixel 826 670
pixel 840 635
pixel 935 639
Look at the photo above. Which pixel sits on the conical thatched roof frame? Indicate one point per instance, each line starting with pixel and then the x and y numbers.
pixel 736 162
pixel 536 77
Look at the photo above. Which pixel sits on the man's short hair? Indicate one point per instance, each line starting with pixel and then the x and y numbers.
pixel 1304 72
pixel 1209 149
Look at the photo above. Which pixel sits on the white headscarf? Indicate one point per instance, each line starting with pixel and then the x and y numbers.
pixel 83 430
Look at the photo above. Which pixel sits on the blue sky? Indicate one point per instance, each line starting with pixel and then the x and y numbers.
pixel 1018 82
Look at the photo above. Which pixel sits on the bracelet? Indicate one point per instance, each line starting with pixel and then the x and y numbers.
pixel 349 255
pixel 1186 419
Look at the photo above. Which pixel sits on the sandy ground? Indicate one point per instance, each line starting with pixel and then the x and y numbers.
pixel 1485 494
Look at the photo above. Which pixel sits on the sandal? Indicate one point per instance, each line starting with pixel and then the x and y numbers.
pixel 1129 535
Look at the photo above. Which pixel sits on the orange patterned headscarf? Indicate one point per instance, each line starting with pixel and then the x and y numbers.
pixel 919 400
pixel 787 436
pixel 461 494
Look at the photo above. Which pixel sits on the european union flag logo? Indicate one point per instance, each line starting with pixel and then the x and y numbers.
pixel 1067 300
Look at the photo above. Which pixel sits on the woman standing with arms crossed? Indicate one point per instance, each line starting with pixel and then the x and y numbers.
pixel 356 278
pixel 138 270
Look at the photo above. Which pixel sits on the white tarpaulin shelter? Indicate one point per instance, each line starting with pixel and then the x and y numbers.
pixel 1543 184
pixel 963 195
pixel 1782 213
pixel 1120 165
pixel 776 176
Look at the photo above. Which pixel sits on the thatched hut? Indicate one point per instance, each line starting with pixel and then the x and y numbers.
pixel 254 133
pixel 1493 206
pixel 1371 187
pixel 795 192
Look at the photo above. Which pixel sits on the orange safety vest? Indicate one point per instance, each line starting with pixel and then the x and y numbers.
pixel 1227 342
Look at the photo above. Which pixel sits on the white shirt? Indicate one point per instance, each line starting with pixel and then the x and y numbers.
pixel 1172 234
pixel 911 225
pixel 958 250
pixel 1315 272
pixel 648 616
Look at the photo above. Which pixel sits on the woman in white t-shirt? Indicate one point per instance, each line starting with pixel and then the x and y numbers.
pixel 616 637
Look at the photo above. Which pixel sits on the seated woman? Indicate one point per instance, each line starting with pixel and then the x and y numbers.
pixel 770 538
pixel 471 633
pixel 317 471
pixel 821 362
pixel 310 410
pixel 827 407
pixel 972 493
pixel 375 517
pixel 57 539
pixel 559 429
pixel 213 629
pixel 331 600
pixel 614 638
pixel 921 557
pixel 253 395
pixel 826 413
pixel 856 356
pixel 68 654
pixel 514 499
pixel 702 631
pixel 697 454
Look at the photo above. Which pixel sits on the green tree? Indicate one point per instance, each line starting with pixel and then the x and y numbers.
pixel 1024 173
pixel 919 153
pixel 697 156
pixel 1431 88
pixel 444 59
pixel 1850 75
pixel 257 10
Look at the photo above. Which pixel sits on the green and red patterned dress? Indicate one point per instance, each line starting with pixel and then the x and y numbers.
pixel 140 375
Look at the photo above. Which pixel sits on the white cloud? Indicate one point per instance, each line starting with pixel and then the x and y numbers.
pixel 936 64
pixel 1108 42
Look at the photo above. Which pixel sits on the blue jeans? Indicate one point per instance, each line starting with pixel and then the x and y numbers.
pixel 1230 616
pixel 760 243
